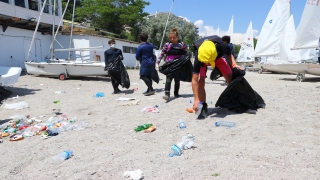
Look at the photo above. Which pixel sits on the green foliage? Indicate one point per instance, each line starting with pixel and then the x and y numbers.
pixel 68 14
pixel 237 48
pixel 255 40
pixel 114 15
pixel 154 27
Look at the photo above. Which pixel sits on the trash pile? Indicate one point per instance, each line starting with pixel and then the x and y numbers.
pixel 23 126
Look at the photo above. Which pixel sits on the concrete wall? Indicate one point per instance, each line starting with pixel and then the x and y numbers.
pixel 15 43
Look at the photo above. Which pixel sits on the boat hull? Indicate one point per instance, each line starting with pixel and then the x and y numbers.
pixel 276 68
pixel 9 75
pixel 302 68
pixel 70 69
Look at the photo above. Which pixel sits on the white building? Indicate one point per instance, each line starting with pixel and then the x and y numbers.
pixel 18 19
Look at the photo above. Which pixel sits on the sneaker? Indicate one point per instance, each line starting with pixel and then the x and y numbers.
pixel 166 96
pixel 148 93
pixel 204 112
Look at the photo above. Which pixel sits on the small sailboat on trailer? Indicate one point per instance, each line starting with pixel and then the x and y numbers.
pixel 308 37
pixel 247 49
pixel 64 68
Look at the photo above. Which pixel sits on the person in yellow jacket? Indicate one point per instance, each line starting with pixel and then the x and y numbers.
pixel 209 53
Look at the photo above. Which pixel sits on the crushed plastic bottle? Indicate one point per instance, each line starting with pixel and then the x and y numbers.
pixel 59 158
pixel 99 94
pixel 175 151
pixel 200 105
pixel 225 124
pixel 187 142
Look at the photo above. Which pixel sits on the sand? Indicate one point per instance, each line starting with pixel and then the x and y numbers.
pixel 279 142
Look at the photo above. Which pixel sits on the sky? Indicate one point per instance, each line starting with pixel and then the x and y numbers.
pixel 209 14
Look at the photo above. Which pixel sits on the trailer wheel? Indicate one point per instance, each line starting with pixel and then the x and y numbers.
pixel 300 77
pixel 62 77
pixel 260 71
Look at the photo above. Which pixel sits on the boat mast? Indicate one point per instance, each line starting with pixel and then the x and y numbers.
pixel 165 28
pixel 55 35
pixel 74 5
pixel 53 16
pixel 35 31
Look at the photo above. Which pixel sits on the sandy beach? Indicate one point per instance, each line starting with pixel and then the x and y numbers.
pixel 279 142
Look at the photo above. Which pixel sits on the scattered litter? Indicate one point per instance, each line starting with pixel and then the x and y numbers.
pixel 150 109
pixel 99 94
pixel 41 84
pixel 225 124
pixel 135 89
pixel 125 99
pixel 150 129
pixel 60 92
pixel 130 103
pixel 143 127
pixel 134 175
pixel 16 137
pixel 59 158
pixel 189 110
pixel 56 101
pixel 41 116
pixel 19 105
pixel 89 113
pixel 187 143
pixel 58 113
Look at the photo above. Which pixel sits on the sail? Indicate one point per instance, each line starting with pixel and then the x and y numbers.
pixel 218 31
pixel 308 54
pixel 308 31
pixel 269 41
pixel 230 30
pixel 288 39
pixel 247 50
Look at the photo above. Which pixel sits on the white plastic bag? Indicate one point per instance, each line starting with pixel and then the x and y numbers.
pixel 134 175
pixel 19 105
pixel 150 109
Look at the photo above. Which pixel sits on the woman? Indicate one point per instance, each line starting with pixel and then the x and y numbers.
pixel 173 50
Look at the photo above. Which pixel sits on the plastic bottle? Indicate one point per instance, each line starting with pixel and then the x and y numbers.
pixel 225 124
pixel 182 124
pixel 200 105
pixel 59 158
pixel 143 127
pixel 175 151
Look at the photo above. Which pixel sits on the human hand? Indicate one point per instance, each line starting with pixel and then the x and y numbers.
pixel 195 105
pixel 237 66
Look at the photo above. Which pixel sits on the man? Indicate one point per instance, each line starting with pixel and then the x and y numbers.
pixel 209 50
pixel 227 40
pixel 109 56
pixel 147 60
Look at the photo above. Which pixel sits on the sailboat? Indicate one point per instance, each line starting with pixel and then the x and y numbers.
pixel 308 35
pixel 247 49
pixel 269 41
pixel 230 30
pixel 286 55
pixel 65 68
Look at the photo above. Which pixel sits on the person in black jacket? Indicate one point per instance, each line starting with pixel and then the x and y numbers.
pixel 109 56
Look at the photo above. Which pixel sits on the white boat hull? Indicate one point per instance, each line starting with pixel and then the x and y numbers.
pixel 276 68
pixel 302 68
pixel 9 75
pixel 69 68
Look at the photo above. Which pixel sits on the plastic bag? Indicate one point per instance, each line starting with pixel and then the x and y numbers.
pixel 19 105
pixel 150 109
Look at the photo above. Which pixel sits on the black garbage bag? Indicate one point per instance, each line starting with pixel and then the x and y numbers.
pixel 180 68
pixel 118 72
pixel 239 95
pixel 154 74
pixel 215 74
pixel 4 94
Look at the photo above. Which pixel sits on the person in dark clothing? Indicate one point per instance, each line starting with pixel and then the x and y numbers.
pixel 146 57
pixel 210 52
pixel 109 56
pixel 173 50
pixel 227 40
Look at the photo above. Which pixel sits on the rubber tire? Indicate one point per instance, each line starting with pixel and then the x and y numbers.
pixel 300 78
pixel 62 77
pixel 260 71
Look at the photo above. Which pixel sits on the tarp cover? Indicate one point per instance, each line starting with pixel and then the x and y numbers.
pixel 180 68
pixel 118 71
pixel 239 95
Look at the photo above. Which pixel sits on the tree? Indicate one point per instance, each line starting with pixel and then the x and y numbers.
pixel 154 27
pixel 68 14
pixel 114 15
pixel 237 48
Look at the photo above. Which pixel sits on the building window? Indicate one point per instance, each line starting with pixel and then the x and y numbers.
pixel 5 1
pixel 127 49
pixel 33 5
pixel 46 8
pixel 19 3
